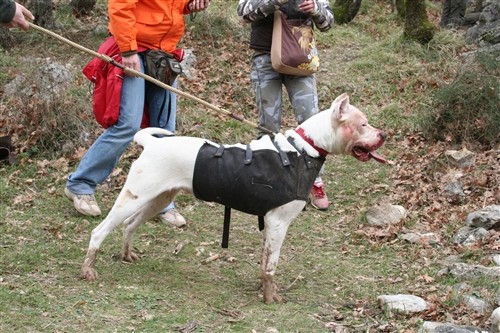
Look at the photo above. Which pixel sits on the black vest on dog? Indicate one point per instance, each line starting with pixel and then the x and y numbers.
pixel 253 182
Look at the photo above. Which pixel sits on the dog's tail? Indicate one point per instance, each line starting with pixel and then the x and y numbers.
pixel 146 135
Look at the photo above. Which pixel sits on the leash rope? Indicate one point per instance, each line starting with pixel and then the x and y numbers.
pixel 149 78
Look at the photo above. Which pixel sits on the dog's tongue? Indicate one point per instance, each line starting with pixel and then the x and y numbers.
pixel 377 157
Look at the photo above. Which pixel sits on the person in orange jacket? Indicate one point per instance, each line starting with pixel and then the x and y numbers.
pixel 136 25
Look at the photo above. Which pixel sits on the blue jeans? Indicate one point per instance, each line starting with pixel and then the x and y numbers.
pixel 101 158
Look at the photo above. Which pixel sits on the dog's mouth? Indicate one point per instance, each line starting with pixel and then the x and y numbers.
pixel 363 154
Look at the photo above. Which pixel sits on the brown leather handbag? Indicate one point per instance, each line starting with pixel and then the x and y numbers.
pixel 293 49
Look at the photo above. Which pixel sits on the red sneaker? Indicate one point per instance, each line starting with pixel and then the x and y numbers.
pixel 319 200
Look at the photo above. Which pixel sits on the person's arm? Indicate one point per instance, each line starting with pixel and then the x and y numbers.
pixel 122 27
pixel 254 10
pixel 320 12
pixel 14 15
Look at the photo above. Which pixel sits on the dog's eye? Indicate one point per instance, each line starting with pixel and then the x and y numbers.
pixel 364 124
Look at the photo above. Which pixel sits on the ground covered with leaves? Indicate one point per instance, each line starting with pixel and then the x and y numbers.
pixel 333 265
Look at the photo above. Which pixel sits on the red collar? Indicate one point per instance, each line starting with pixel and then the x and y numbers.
pixel 300 131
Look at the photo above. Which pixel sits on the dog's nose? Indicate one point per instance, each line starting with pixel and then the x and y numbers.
pixel 382 135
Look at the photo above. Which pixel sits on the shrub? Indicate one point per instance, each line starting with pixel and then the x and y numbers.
pixel 467 109
pixel 44 110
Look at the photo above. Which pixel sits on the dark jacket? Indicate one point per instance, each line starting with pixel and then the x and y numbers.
pixel 7 10
pixel 260 13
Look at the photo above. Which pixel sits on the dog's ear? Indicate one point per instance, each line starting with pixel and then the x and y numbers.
pixel 340 106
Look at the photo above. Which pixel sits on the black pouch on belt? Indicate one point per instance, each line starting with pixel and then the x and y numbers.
pixel 161 65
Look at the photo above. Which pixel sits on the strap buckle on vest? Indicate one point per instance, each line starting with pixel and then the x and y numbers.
pixel 220 151
pixel 248 155
pixel 284 156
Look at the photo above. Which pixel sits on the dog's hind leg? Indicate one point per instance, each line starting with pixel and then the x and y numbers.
pixel 126 207
pixel 151 209
pixel 277 222
pixel 97 237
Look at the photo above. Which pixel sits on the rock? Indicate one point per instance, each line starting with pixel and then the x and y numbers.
pixel 385 214
pixel 495 321
pixel 487 30
pixel 465 271
pixel 458 329
pixel 188 62
pixel 461 158
pixel 100 30
pixel 454 192
pixel 402 303
pixel 53 81
pixel 469 236
pixel 488 218
pixel 476 304
pixel 496 259
pixel 436 327
pixel 451 259
pixel 460 288
pixel 410 237
pixel 429 326
pixel 415 237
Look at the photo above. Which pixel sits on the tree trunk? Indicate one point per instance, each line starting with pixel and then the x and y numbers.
pixel 345 10
pixel 417 24
pixel 82 7
pixel 43 12
pixel 6 39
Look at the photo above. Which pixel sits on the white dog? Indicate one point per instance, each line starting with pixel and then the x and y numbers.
pixel 169 164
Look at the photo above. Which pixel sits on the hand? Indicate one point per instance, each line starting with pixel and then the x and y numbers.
pixel 308 6
pixel 132 62
pixel 19 19
pixel 198 5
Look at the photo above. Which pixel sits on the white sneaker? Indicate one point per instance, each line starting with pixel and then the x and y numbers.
pixel 84 203
pixel 173 218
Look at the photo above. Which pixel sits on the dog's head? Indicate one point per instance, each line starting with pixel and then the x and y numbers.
pixel 352 131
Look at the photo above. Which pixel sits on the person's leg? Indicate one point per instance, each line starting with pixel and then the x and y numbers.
pixel 267 86
pixel 162 106
pixel 304 100
pixel 453 13
pixel 303 96
pixel 445 15
pixel 99 161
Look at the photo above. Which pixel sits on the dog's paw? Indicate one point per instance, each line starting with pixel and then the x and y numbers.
pixel 130 257
pixel 270 291
pixel 89 274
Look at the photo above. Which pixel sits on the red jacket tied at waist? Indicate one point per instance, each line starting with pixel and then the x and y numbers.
pixel 108 80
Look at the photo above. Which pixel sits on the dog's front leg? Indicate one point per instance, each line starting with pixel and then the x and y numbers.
pixel 277 222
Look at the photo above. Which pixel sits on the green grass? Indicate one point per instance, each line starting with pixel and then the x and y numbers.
pixel 44 240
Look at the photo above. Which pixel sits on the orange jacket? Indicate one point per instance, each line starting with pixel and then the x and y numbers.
pixel 151 24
